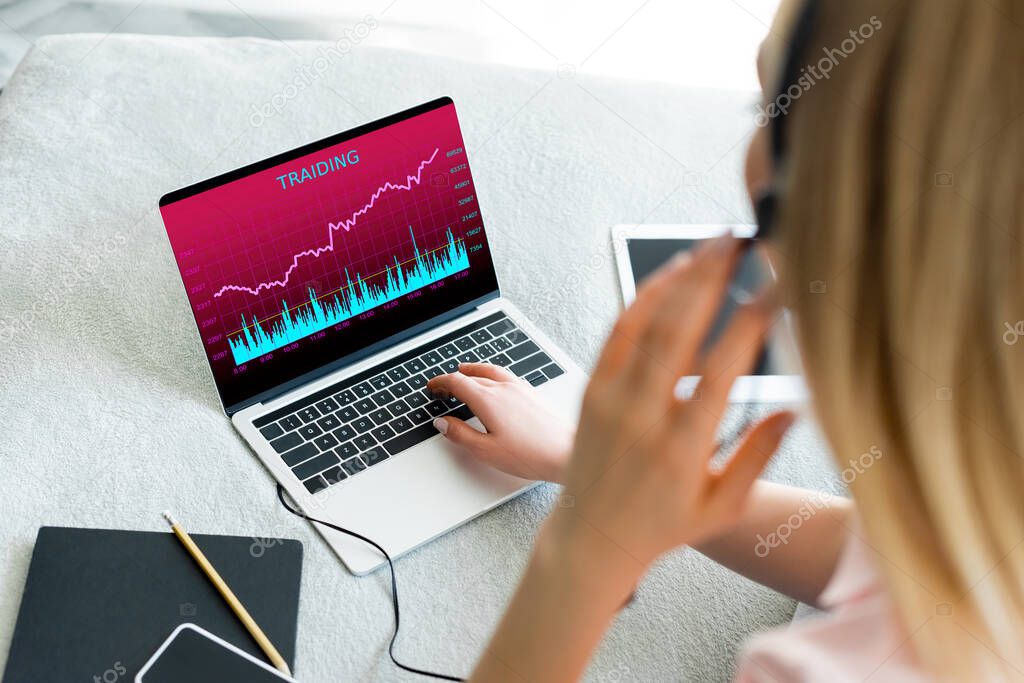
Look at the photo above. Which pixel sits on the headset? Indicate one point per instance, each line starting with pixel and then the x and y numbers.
pixel 766 205
pixel 765 211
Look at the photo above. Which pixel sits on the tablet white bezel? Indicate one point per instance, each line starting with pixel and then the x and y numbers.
pixel 220 641
pixel 747 389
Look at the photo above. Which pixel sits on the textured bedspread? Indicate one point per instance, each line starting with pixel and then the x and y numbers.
pixel 109 414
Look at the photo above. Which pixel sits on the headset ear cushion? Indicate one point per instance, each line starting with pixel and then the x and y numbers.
pixel 765 210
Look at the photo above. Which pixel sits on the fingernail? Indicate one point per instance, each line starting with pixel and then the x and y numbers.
pixel 724 243
pixel 785 423
pixel 441 425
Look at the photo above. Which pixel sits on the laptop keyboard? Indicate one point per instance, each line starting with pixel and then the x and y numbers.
pixel 338 432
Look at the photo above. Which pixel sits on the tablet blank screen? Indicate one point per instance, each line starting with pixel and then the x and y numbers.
pixel 647 255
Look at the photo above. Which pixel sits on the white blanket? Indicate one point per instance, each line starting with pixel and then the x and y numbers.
pixel 109 411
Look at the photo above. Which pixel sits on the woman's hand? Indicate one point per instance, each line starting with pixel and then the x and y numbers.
pixel 641 476
pixel 524 436
pixel 640 480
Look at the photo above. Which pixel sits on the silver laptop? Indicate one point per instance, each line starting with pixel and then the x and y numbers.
pixel 329 284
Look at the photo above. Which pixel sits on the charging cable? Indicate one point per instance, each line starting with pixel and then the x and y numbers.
pixel 394 585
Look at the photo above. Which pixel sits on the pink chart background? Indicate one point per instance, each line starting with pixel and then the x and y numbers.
pixel 248 231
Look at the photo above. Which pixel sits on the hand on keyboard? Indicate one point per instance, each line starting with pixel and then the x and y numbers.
pixel 524 437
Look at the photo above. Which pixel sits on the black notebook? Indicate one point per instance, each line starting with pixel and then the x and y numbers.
pixel 98 603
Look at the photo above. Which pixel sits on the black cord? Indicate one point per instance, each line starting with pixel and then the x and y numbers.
pixel 394 585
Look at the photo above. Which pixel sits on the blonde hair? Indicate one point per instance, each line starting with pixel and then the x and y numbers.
pixel 901 240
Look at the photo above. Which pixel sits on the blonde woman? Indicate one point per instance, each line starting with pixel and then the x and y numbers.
pixel 892 173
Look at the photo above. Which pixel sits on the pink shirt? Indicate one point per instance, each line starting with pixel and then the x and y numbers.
pixel 859 638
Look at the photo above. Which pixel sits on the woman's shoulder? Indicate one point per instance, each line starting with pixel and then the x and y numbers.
pixel 859 635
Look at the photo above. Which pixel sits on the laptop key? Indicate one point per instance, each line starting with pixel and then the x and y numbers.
pixel 536 378
pixel 464 343
pixel 398 372
pixel 416 382
pixel 415 365
pixel 400 425
pixel 380 381
pixel 382 398
pixel 362 390
pixel 450 366
pixel 437 408
pixel 383 433
pixel 353 466
pixel 315 485
pixel 364 441
pixel 501 327
pixel 419 416
pixel 431 373
pixel 502 360
pixel 308 414
pixel 381 416
pixel 310 431
pixel 501 344
pixel 534 362
pixel 485 350
pixel 399 408
pixel 481 336
pixel 469 357
pixel 517 337
pixel 365 406
pixel 286 442
pixel 346 450
pixel 448 351
pixel 328 423
pixel 431 358
pixel 363 424
pixel 334 475
pixel 271 431
pixel 416 399
pixel 344 433
pixel 297 455
pixel 348 413
pixel 552 371
pixel 315 465
pixel 345 397
pixel 525 349
pixel 374 456
pixel 325 442
pixel 419 434
pixel 326 406
pixel 289 423
pixel 400 389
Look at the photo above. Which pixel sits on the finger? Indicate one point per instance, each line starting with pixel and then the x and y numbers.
pixel 735 354
pixel 466 389
pixel 487 371
pixel 628 329
pixel 458 432
pixel 482 445
pixel 733 483
pixel 678 329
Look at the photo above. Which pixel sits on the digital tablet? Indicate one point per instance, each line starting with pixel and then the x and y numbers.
pixel 642 249
pixel 195 655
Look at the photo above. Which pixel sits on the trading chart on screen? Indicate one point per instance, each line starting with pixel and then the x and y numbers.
pixel 298 263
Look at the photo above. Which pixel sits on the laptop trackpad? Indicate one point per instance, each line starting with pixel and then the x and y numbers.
pixel 410 499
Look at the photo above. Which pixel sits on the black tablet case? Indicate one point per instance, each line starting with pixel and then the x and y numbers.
pixel 98 603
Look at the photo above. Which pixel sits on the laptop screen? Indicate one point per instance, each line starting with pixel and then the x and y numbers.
pixel 300 263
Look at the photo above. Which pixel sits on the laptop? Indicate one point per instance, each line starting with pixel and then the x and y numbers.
pixel 329 284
